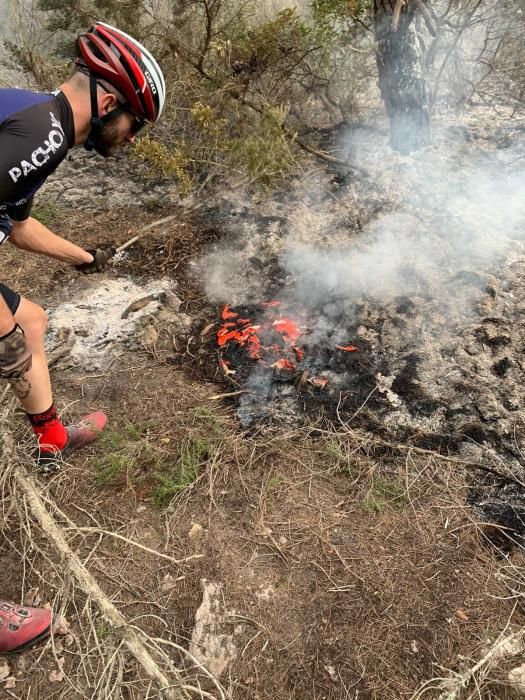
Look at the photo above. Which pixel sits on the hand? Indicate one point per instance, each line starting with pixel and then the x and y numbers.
pixel 15 357
pixel 99 262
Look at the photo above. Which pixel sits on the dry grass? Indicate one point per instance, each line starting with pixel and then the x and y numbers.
pixel 52 553
pixel 386 582
pixel 344 563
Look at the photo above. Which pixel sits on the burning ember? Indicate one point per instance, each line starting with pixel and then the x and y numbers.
pixel 278 341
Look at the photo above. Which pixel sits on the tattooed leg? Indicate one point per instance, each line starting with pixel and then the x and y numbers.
pixel 21 387
pixel 34 388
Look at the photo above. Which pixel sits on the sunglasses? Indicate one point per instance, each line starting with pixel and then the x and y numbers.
pixel 137 124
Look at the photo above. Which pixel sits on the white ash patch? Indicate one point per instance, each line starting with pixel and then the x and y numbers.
pixel 95 319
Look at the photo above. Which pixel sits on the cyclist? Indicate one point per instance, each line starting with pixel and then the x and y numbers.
pixel 116 88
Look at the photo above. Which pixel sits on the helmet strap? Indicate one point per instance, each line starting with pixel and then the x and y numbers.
pixel 97 122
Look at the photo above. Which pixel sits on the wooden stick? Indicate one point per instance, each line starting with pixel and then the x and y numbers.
pixel 455 685
pixel 216 397
pixel 165 220
pixel 99 531
pixel 172 690
pixel 61 350
pixel 427 17
pixel 397 14
pixel 322 154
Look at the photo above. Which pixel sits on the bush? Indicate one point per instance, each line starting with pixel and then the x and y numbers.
pixel 237 75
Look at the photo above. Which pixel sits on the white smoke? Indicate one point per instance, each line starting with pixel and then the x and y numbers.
pixel 458 207
pixel 452 217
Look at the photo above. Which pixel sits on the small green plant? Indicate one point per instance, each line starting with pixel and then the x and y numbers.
pixel 209 420
pixel 264 152
pixel 333 450
pixel 194 453
pixel 165 162
pixel 122 450
pixel 48 213
pixel 104 630
pixel 207 120
pixel 200 446
pixel 113 465
pixel 130 453
pixel 385 493
pixel 273 482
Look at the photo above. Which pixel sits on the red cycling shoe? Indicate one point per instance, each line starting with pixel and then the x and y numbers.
pixel 22 627
pixel 78 435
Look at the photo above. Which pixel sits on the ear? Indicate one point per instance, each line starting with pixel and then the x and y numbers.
pixel 107 103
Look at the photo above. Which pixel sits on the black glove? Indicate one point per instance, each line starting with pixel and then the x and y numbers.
pixel 15 357
pixel 100 261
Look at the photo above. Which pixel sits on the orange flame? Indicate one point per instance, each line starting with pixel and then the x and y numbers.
pixel 284 363
pixel 227 313
pixel 273 342
pixel 288 329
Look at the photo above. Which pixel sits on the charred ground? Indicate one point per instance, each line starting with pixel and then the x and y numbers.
pixel 356 530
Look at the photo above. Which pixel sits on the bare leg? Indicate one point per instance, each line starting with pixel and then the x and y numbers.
pixel 34 389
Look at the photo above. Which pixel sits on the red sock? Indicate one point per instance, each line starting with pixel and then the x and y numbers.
pixel 51 433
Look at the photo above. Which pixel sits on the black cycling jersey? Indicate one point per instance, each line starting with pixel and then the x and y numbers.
pixel 36 132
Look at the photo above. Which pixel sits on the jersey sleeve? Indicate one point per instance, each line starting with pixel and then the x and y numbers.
pixel 33 142
pixel 9 148
pixel 20 212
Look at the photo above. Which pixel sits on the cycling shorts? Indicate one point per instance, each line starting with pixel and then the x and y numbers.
pixel 12 299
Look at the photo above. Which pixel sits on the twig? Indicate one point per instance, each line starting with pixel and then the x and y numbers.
pixel 61 351
pixel 165 220
pixel 449 54
pixel 320 154
pixel 195 662
pixel 99 531
pixel 452 687
pixel 437 455
pixel 131 638
pixel 228 394
pixel 427 17
pixel 454 460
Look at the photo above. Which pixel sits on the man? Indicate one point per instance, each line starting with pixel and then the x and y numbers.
pixel 117 87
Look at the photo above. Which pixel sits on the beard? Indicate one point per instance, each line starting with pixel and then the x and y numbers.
pixel 107 140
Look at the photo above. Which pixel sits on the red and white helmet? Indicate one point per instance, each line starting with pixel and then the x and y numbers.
pixel 114 56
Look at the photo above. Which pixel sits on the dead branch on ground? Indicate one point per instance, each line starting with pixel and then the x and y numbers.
pixel 156 664
pixel 169 688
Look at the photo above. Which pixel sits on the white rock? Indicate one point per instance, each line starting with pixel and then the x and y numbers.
pixel 196 531
pixel 56 677
pixel 331 671
pixel 4 670
pixel 265 593
pixel 168 584
pixel 517 679
pixel 62 627
pixel 214 649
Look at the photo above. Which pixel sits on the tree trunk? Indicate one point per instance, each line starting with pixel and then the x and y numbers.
pixel 400 62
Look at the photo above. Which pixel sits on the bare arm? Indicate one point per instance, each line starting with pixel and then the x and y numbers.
pixel 33 236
